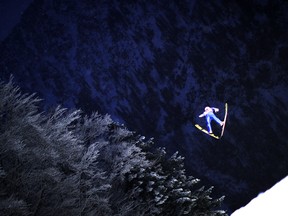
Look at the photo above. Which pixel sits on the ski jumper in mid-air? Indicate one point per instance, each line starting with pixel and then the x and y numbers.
pixel 209 114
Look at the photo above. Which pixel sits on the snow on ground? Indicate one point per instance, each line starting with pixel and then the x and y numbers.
pixel 271 202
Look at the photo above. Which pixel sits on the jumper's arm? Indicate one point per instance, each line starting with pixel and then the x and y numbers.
pixel 215 109
pixel 203 114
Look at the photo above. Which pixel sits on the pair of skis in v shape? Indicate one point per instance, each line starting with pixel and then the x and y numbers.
pixel 223 126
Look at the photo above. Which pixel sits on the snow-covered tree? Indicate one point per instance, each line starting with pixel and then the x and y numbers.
pixel 170 191
pixel 67 163
pixel 46 170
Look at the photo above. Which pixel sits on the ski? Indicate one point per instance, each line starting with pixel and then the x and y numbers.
pixel 205 131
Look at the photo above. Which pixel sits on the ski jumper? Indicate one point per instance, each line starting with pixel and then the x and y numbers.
pixel 209 114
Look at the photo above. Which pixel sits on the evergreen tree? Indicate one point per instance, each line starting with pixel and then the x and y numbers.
pixel 45 168
pixel 170 190
pixel 67 163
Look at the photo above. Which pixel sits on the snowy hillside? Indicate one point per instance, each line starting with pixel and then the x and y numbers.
pixel 154 66
pixel 271 202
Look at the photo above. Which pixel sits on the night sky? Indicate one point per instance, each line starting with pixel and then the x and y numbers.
pixel 10 15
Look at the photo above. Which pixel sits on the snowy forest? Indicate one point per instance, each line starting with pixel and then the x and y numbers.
pixel 63 162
